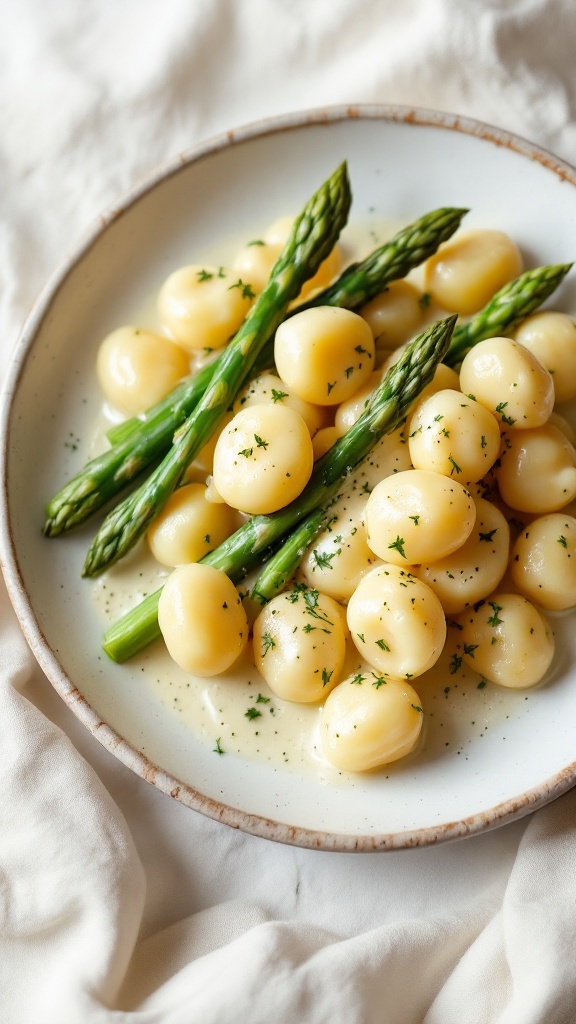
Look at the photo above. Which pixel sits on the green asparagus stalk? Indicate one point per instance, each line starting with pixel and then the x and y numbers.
pixel 313 235
pixel 138 442
pixel 507 308
pixel 362 281
pixel 239 554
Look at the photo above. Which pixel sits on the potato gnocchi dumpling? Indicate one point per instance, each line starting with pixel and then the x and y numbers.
pixel 475 568
pixel 537 470
pixel 368 721
pixel 510 381
pixel 324 354
pixel 199 606
pixel 339 557
pixel 189 526
pixel 452 434
pixel 396 622
pixel 300 644
pixel 396 315
pixel 467 270
pixel 418 516
pixel 543 563
pixel 507 640
pixel 551 337
pixel 137 368
pixel 202 307
pixel 268 387
pixel 263 458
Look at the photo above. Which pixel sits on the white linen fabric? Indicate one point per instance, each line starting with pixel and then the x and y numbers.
pixel 117 904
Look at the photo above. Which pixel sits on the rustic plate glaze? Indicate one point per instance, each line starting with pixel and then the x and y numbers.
pixel 402 162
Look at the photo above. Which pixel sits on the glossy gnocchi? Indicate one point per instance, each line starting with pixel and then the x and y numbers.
pixel 137 368
pixel 324 354
pixel 300 644
pixel 507 640
pixel 263 458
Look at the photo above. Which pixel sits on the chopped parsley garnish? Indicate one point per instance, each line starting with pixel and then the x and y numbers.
pixel 326 676
pixel 455 467
pixel 358 679
pixel 469 649
pixel 204 275
pixel 494 619
pixel 268 643
pixel 323 561
pixel 246 452
pixel 278 395
pixel 415 519
pixel 252 713
pixel 504 417
pixel 378 681
pixel 382 645
pixel 260 699
pixel 398 545
pixel 489 535
pixel 217 749
pixel 562 540
pixel 455 663
pixel 417 708
pixel 246 289
pixel 260 443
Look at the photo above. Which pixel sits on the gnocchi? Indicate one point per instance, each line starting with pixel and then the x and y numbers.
pixel 300 644
pixel 452 434
pixel 418 516
pixel 203 307
pixel 263 458
pixel 396 622
pixel 466 271
pixel 551 337
pixel 137 368
pixel 189 526
pixel 369 721
pixel 510 381
pixel 543 561
pixel 199 606
pixel 507 640
pixel 324 354
pixel 537 470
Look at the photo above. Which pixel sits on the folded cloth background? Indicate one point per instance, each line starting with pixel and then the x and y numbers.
pixel 117 904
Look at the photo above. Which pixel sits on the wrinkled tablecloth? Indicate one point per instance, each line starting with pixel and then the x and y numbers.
pixel 116 903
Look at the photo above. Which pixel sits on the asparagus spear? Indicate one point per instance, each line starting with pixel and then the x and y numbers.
pixel 138 442
pixel 361 282
pixel 312 237
pixel 238 554
pixel 507 308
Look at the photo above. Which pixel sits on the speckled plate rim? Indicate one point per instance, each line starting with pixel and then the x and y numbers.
pixel 510 810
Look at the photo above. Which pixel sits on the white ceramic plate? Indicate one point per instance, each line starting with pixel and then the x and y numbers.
pixel 402 162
